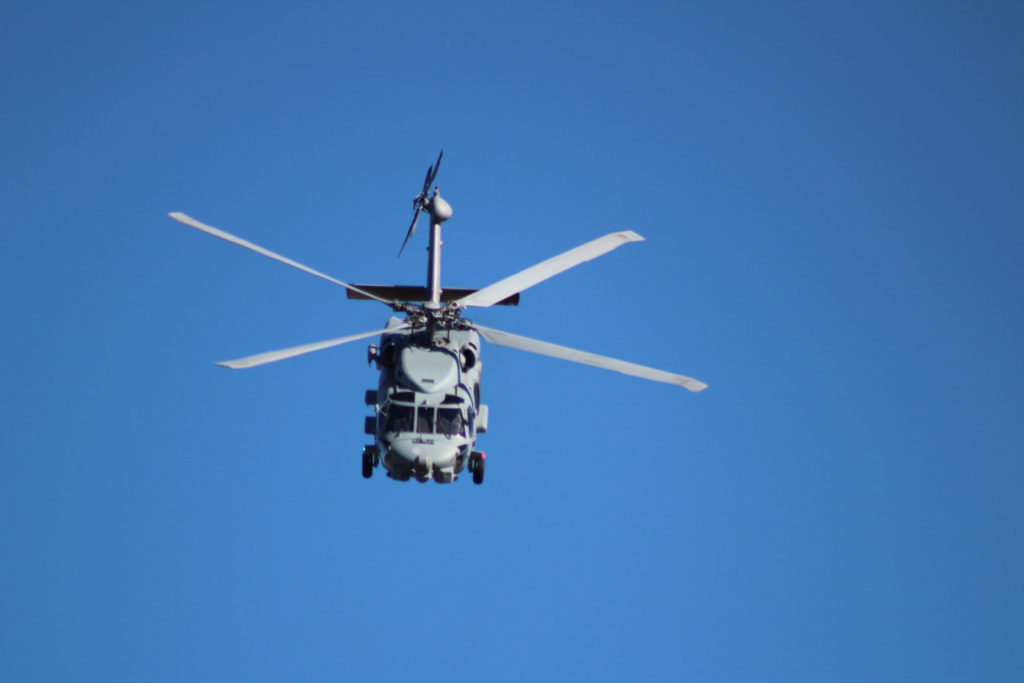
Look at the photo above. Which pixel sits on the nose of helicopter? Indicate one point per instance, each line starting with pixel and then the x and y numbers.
pixel 426 454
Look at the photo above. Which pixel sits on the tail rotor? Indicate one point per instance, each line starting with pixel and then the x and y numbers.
pixel 419 203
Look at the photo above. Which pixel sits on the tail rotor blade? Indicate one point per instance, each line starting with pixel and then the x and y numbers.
pixel 420 202
pixel 426 181
pixel 432 173
pixel 412 228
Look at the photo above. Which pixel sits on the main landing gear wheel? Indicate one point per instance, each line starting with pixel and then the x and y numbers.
pixel 369 461
pixel 477 462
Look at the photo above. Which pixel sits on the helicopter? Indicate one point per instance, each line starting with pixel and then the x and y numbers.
pixel 427 410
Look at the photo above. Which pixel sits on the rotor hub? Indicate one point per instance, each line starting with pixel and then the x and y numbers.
pixel 440 210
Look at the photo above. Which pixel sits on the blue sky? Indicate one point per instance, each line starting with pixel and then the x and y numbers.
pixel 832 196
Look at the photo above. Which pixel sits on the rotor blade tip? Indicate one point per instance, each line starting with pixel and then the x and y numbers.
pixel 631 236
pixel 691 384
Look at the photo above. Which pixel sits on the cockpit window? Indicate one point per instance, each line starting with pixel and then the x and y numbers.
pixel 400 418
pixel 425 420
pixel 449 421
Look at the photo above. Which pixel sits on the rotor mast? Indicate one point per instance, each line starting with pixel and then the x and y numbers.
pixel 440 211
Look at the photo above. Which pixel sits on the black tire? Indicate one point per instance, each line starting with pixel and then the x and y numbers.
pixel 367 463
pixel 478 472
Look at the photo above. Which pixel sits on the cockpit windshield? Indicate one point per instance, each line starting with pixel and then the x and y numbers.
pixel 424 420
pixel 400 418
pixel 449 422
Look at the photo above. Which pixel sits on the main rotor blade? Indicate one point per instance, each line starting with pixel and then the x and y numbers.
pixel 524 279
pixel 209 229
pixel 271 356
pixel 543 348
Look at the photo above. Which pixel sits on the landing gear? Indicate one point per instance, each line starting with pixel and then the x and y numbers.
pixel 369 461
pixel 477 462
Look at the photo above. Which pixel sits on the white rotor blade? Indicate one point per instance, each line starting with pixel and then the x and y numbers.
pixel 271 356
pixel 524 279
pixel 576 356
pixel 210 230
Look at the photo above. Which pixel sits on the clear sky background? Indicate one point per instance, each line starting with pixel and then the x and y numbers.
pixel 832 195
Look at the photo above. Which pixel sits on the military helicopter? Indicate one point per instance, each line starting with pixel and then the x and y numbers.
pixel 427 409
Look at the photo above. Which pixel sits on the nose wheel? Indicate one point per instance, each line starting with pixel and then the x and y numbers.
pixel 477 463
pixel 369 461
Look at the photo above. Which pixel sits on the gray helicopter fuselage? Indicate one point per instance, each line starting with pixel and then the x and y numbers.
pixel 427 405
